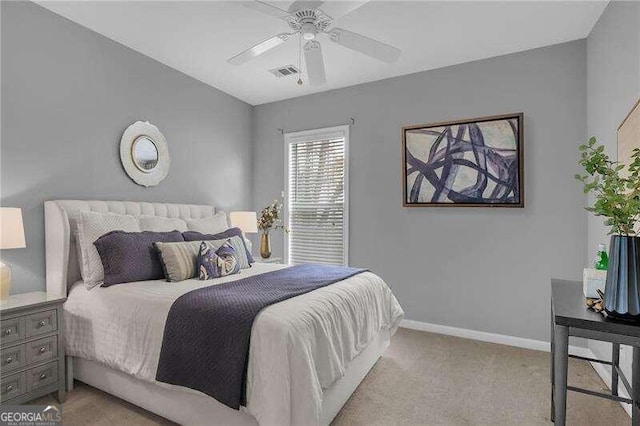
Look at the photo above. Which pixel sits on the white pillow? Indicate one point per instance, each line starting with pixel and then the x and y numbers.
pixel 91 226
pixel 162 224
pixel 211 225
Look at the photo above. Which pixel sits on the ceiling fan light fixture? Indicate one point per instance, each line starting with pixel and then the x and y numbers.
pixel 309 31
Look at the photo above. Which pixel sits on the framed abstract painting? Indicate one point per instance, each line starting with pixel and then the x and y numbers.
pixel 465 163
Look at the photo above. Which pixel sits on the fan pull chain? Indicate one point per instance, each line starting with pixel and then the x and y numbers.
pixel 300 58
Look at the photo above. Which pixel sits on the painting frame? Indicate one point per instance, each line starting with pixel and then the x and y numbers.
pixel 519 203
pixel 627 134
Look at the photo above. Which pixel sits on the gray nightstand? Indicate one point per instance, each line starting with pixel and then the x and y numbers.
pixel 258 259
pixel 31 347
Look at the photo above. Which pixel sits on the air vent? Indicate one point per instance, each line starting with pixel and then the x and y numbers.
pixel 285 71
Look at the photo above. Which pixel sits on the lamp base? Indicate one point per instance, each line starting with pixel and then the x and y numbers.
pixel 5 281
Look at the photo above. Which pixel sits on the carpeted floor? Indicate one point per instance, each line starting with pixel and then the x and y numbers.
pixel 423 379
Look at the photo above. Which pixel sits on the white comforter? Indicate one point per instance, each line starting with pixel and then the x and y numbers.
pixel 298 347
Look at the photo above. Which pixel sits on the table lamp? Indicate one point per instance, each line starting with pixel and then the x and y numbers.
pixel 11 237
pixel 247 222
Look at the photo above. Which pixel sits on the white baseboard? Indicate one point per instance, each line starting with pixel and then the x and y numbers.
pixel 483 336
pixel 519 342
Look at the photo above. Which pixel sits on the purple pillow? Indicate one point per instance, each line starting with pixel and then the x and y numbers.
pixel 212 263
pixel 131 256
pixel 231 232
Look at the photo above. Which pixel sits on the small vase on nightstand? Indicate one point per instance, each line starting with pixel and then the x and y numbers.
pixel 265 245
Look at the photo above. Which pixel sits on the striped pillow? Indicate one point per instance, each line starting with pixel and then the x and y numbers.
pixel 179 259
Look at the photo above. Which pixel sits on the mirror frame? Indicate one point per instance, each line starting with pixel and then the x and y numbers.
pixel 134 132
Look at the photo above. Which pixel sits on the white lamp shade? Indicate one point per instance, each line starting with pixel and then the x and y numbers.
pixel 11 228
pixel 246 221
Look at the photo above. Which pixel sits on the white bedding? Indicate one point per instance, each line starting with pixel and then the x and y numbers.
pixel 298 347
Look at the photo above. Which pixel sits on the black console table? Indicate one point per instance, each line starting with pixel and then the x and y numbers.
pixel 570 317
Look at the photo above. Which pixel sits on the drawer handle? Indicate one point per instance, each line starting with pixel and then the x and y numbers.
pixel 8 360
pixel 43 376
pixel 43 350
pixel 42 323
pixel 9 388
pixel 7 331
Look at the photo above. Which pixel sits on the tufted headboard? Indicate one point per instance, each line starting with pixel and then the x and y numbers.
pixel 60 218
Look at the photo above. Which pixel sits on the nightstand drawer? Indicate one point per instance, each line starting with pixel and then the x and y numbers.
pixel 41 323
pixel 42 349
pixel 42 376
pixel 12 386
pixel 12 330
pixel 12 358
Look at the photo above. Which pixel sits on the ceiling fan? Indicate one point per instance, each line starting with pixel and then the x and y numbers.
pixel 310 19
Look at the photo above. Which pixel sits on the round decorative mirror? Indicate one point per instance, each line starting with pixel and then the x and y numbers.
pixel 144 154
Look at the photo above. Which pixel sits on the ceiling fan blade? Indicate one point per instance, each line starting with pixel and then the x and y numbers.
pixel 304 4
pixel 336 9
pixel 265 7
pixel 364 44
pixel 315 63
pixel 259 49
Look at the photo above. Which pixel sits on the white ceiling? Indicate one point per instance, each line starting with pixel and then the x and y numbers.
pixel 198 37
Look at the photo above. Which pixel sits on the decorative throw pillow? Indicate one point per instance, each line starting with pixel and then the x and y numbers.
pixel 236 240
pixel 91 226
pixel 209 225
pixel 179 259
pixel 130 256
pixel 216 263
pixel 161 224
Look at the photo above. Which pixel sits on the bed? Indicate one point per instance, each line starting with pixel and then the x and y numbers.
pixel 307 354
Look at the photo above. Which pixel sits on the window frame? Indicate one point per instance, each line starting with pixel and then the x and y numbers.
pixel 313 136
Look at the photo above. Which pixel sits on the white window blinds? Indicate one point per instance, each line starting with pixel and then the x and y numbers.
pixel 317 197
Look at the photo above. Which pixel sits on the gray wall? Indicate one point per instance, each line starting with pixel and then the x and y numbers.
pixel 68 93
pixel 475 268
pixel 613 78
pixel 67 96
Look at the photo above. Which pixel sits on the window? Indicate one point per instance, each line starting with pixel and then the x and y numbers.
pixel 317 203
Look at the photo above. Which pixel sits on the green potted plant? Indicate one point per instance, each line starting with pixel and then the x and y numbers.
pixel 616 188
pixel 270 218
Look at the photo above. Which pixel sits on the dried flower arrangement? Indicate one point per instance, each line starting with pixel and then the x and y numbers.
pixel 271 218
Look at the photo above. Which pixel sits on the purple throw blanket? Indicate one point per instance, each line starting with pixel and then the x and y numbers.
pixel 206 336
